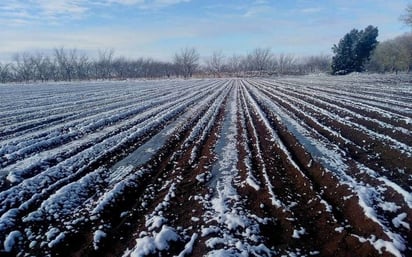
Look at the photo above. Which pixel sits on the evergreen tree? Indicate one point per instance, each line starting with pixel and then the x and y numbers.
pixel 354 50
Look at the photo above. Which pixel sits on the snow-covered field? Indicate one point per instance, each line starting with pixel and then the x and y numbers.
pixel 291 166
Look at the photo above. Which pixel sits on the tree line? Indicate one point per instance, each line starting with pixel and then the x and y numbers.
pixel 393 55
pixel 350 55
pixel 71 64
pixel 359 51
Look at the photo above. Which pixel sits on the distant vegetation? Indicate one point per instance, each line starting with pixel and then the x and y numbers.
pixel 70 64
pixel 359 51
pixel 392 55
pixel 354 50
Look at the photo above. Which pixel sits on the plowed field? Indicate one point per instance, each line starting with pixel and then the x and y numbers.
pixel 292 166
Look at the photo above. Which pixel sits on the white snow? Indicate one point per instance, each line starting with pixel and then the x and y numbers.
pixel 160 241
pixel 333 159
pixel 189 246
pixel 194 219
pixel 298 232
pixel 389 206
pixel 109 197
pixel 275 201
pixel 339 229
pixel 57 240
pixel 380 244
pixel 225 207
pixel 155 222
pixel 51 135
pixel 98 235
pixel 52 233
pixel 201 177
pixel 398 221
pixel 11 240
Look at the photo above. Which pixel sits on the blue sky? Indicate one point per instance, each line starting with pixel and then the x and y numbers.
pixel 159 28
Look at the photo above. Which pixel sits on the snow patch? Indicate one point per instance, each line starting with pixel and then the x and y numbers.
pixel 11 239
pixel 389 206
pixel 398 221
pixel 160 241
pixel 189 246
pixel 57 240
pixel 97 238
pixel 298 233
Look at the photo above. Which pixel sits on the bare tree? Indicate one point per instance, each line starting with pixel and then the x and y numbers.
pixel 120 67
pixel 186 61
pixel 259 60
pixel 285 62
pixel 392 55
pixel 406 43
pixel 23 67
pixel 5 73
pixel 65 61
pixel 215 64
pixel 103 65
pixel 234 64
pixel 317 63
pixel 83 68
pixel 61 62
pixel 43 67
pixel 407 16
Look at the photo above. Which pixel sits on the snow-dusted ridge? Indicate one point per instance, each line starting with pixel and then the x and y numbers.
pixel 210 167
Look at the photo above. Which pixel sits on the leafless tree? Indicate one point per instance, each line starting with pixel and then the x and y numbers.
pixel 392 55
pixel 215 64
pixel 83 67
pixel 316 63
pixel 103 66
pixel 285 63
pixel 44 68
pixel 407 16
pixel 66 63
pixel 234 64
pixel 405 41
pixel 5 73
pixel 23 67
pixel 186 61
pixel 260 59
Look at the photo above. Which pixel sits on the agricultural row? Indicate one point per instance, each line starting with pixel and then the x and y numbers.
pixel 293 166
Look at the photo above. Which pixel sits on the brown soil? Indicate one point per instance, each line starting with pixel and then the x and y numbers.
pixel 312 197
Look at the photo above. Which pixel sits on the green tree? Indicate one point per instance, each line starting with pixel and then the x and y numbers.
pixel 354 50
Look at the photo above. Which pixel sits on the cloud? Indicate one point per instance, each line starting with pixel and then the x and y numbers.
pixel 147 4
pixel 12 5
pixel 145 29
pixel 42 10
pixel 128 42
pixel 257 10
pixel 125 2
pixel 14 10
pixel 58 7
pixel 64 10
pixel 311 10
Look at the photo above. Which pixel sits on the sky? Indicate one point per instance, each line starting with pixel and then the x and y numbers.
pixel 159 28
